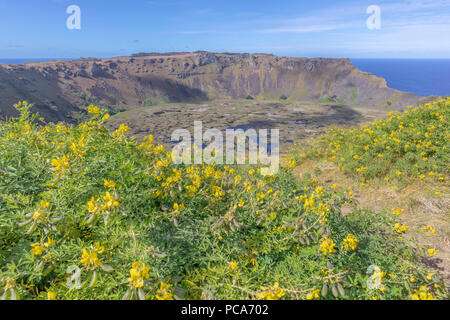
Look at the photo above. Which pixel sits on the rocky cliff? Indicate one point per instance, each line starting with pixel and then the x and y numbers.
pixel 60 89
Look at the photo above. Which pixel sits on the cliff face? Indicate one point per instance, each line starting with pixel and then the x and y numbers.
pixel 59 88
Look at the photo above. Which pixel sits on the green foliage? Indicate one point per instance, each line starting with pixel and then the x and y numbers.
pixel 409 144
pixel 353 94
pixel 328 99
pixel 85 213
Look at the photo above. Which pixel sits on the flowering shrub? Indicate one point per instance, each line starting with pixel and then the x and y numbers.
pixel 85 214
pixel 411 144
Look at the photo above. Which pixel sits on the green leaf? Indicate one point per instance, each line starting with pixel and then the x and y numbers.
pixel 334 291
pixel 107 267
pixel 324 290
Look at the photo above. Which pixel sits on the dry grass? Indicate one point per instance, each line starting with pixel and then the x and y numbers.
pixel 423 207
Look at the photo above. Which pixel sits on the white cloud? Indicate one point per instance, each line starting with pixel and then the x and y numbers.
pixel 415 27
pixel 350 16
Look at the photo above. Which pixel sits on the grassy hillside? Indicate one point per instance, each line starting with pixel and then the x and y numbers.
pixel 413 144
pixel 399 164
pixel 85 214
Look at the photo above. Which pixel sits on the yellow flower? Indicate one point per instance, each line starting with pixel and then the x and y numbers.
pixel 37 214
pixel 397 212
pixel 75 149
pixel 99 248
pixel 430 229
pixel 45 204
pixel 49 243
pixel 350 242
pixel 177 207
pixel 93 109
pixel 362 169
pixel 432 252
pixel 51 295
pixel 271 293
pixel 217 192
pixel 27 130
pixel 400 228
pixel 92 206
pixel 138 272
pixel 233 265
pixel 121 130
pixel 376 278
pixel 253 261
pixel 430 276
pixel 110 201
pixel 313 295
pixel 164 292
pixel 61 165
pixel 327 246
pixel 106 117
pixel 37 249
pixel 90 259
pixel 422 294
pixel 292 163
pixel 110 184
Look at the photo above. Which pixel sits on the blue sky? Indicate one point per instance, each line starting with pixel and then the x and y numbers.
pixel 302 28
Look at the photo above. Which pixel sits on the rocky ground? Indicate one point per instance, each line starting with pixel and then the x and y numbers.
pixel 296 120
pixel 60 90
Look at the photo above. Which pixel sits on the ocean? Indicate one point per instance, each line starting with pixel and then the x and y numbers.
pixel 425 77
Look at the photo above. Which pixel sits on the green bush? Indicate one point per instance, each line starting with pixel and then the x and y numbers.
pixel 413 143
pixel 85 214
